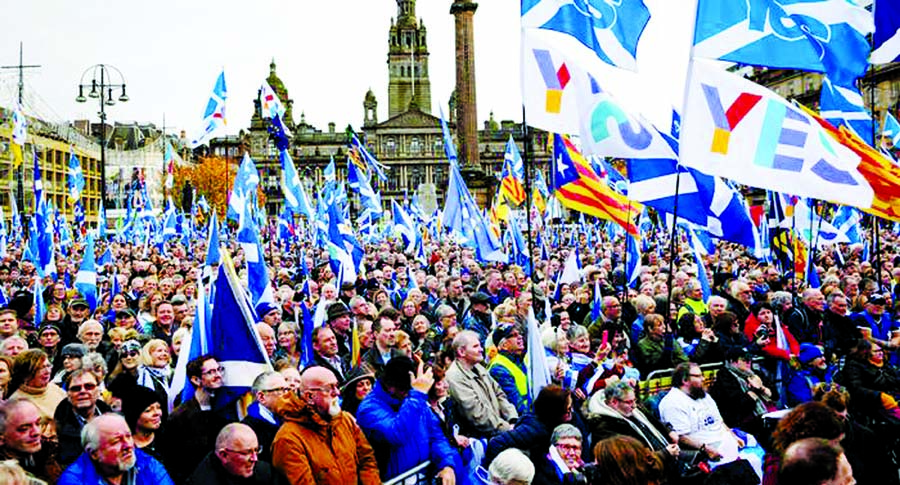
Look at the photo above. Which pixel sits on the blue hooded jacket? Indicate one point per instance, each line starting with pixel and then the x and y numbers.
pixel 147 471
pixel 400 430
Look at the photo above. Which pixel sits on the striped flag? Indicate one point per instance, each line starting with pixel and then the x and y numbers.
pixel 578 187
pixel 512 184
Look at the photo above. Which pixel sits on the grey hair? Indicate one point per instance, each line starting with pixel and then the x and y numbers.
pixel 88 323
pixel 834 295
pixel 576 331
pixel 444 310
pixel 511 467
pixel 779 298
pixel 93 360
pixel 13 338
pixel 228 433
pixel 8 407
pixel 616 390
pixel 564 430
pixel 716 298
pixel 90 434
pixel 462 339
pixel 260 382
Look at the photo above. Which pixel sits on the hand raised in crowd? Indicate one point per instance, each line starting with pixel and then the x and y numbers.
pixel 602 352
pixel 709 335
pixel 446 476
pixel 423 379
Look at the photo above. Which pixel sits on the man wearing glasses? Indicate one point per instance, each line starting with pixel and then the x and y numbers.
pixel 318 442
pixel 235 460
pixel 193 426
pixel 267 388
pixel 81 406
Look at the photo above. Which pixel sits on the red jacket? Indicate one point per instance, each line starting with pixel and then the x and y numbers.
pixel 772 350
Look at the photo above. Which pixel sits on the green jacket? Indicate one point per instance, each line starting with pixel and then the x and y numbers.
pixel 651 355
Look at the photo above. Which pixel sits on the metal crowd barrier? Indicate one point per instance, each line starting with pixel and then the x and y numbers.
pixel 661 380
pixel 417 475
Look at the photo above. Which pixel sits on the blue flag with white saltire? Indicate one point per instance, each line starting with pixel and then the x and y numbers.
pixel 230 337
pixel 449 146
pixel 344 250
pixel 244 191
pixel 696 244
pixel 633 268
pixel 814 35
pixel 886 39
pixel 536 358
pixel 39 308
pixel 76 178
pixel 214 114
pixel 369 200
pixel 891 129
pixel 86 278
pixel 519 252
pixel 404 225
pixel 257 274
pixel 610 30
pixel 294 194
pixel 306 346
pixel 847 221
pixel 843 106
pixel 597 305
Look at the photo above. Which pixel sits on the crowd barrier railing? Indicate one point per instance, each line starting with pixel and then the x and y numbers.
pixel 418 475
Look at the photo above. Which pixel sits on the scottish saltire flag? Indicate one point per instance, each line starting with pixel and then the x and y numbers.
pixel 369 200
pixel 231 338
pixel 359 151
pixel 890 129
pixel 814 35
pixel 512 178
pixel 214 114
pixel 464 219
pixel 404 225
pixel 847 221
pixel 843 106
pixel 39 308
pixel 344 250
pixel 518 253
pixel 540 194
pixel 244 191
pixel 578 187
pixel 257 274
pixel 728 215
pixel 19 135
pixel 196 344
pixel 886 39
pixel 86 278
pixel 571 270
pixel 701 268
pixel 633 264
pixel 449 146
pixel 652 182
pixel 38 183
pixel 597 304
pixel 106 257
pixel 213 256
pixel 742 131
pixel 294 194
pixel 4 234
pixel 610 29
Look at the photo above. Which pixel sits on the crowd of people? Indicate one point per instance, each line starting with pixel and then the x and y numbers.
pixel 425 361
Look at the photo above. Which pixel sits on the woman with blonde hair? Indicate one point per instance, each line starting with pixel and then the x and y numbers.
pixel 31 380
pixel 157 359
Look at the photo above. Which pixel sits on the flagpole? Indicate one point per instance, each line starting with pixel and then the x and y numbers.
pixel 876 237
pixel 668 313
pixel 528 158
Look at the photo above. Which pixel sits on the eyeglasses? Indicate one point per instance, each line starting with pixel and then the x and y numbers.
pixel 330 389
pixel 79 387
pixel 130 353
pixel 218 370
pixel 245 453
pixel 279 390
pixel 569 447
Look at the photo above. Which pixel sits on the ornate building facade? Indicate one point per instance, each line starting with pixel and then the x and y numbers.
pixel 410 141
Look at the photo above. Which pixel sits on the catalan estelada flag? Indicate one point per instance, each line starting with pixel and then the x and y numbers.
pixel 512 184
pixel 578 187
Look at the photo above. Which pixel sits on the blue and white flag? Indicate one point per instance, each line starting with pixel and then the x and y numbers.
pixel 369 200
pixel 294 194
pixel 358 149
pixel 634 265
pixel 891 129
pixel 344 250
pixel 597 305
pixel 86 278
pixel 701 268
pixel 39 308
pixel 449 146
pixel 538 371
pixel 76 178
pixel 257 274
pixel 571 270
pixel 886 40
pixel 230 337
pixel 814 35
pixel 214 114
pixel 244 191
pixel 848 222
pixel 518 253
pixel 843 106
pixel 611 29
pixel 404 225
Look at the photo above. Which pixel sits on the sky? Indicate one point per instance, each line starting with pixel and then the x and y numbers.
pixel 328 54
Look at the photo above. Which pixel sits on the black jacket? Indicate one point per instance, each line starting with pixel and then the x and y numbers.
pixel 211 472
pixel 190 434
pixel 865 382
pixel 68 430
pixel 737 407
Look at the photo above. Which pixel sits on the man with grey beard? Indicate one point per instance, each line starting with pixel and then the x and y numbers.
pixel 111 457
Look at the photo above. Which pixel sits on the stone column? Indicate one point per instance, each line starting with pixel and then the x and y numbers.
pixel 466 113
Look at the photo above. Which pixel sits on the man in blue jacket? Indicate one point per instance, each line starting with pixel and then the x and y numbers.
pixel 401 427
pixel 111 457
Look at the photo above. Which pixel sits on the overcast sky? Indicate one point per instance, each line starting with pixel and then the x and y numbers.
pixel 328 54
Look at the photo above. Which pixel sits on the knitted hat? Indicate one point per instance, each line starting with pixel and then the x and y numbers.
pixel 74 350
pixel 264 309
pixel 128 346
pixel 809 353
pixel 501 332
pixel 135 401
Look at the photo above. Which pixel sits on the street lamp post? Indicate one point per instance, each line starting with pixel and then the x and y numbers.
pixel 101 86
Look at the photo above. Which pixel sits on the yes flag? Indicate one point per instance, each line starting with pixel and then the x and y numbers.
pixel 886 40
pixel 610 29
pixel 271 107
pixel 814 35
pixel 214 114
pixel 740 130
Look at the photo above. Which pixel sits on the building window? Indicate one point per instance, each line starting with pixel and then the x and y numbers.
pixel 390 147
pixel 414 146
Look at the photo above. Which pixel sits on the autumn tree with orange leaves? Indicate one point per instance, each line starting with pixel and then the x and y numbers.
pixel 213 178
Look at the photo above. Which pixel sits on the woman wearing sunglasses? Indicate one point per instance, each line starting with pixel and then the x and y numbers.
pixel 130 371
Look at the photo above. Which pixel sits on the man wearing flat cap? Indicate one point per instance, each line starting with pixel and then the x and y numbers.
pixel 881 327
pixel 76 313
pixel 340 322
pixel 508 366
pixel 478 319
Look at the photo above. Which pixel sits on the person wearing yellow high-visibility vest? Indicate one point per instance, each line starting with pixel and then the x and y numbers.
pixel 508 366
